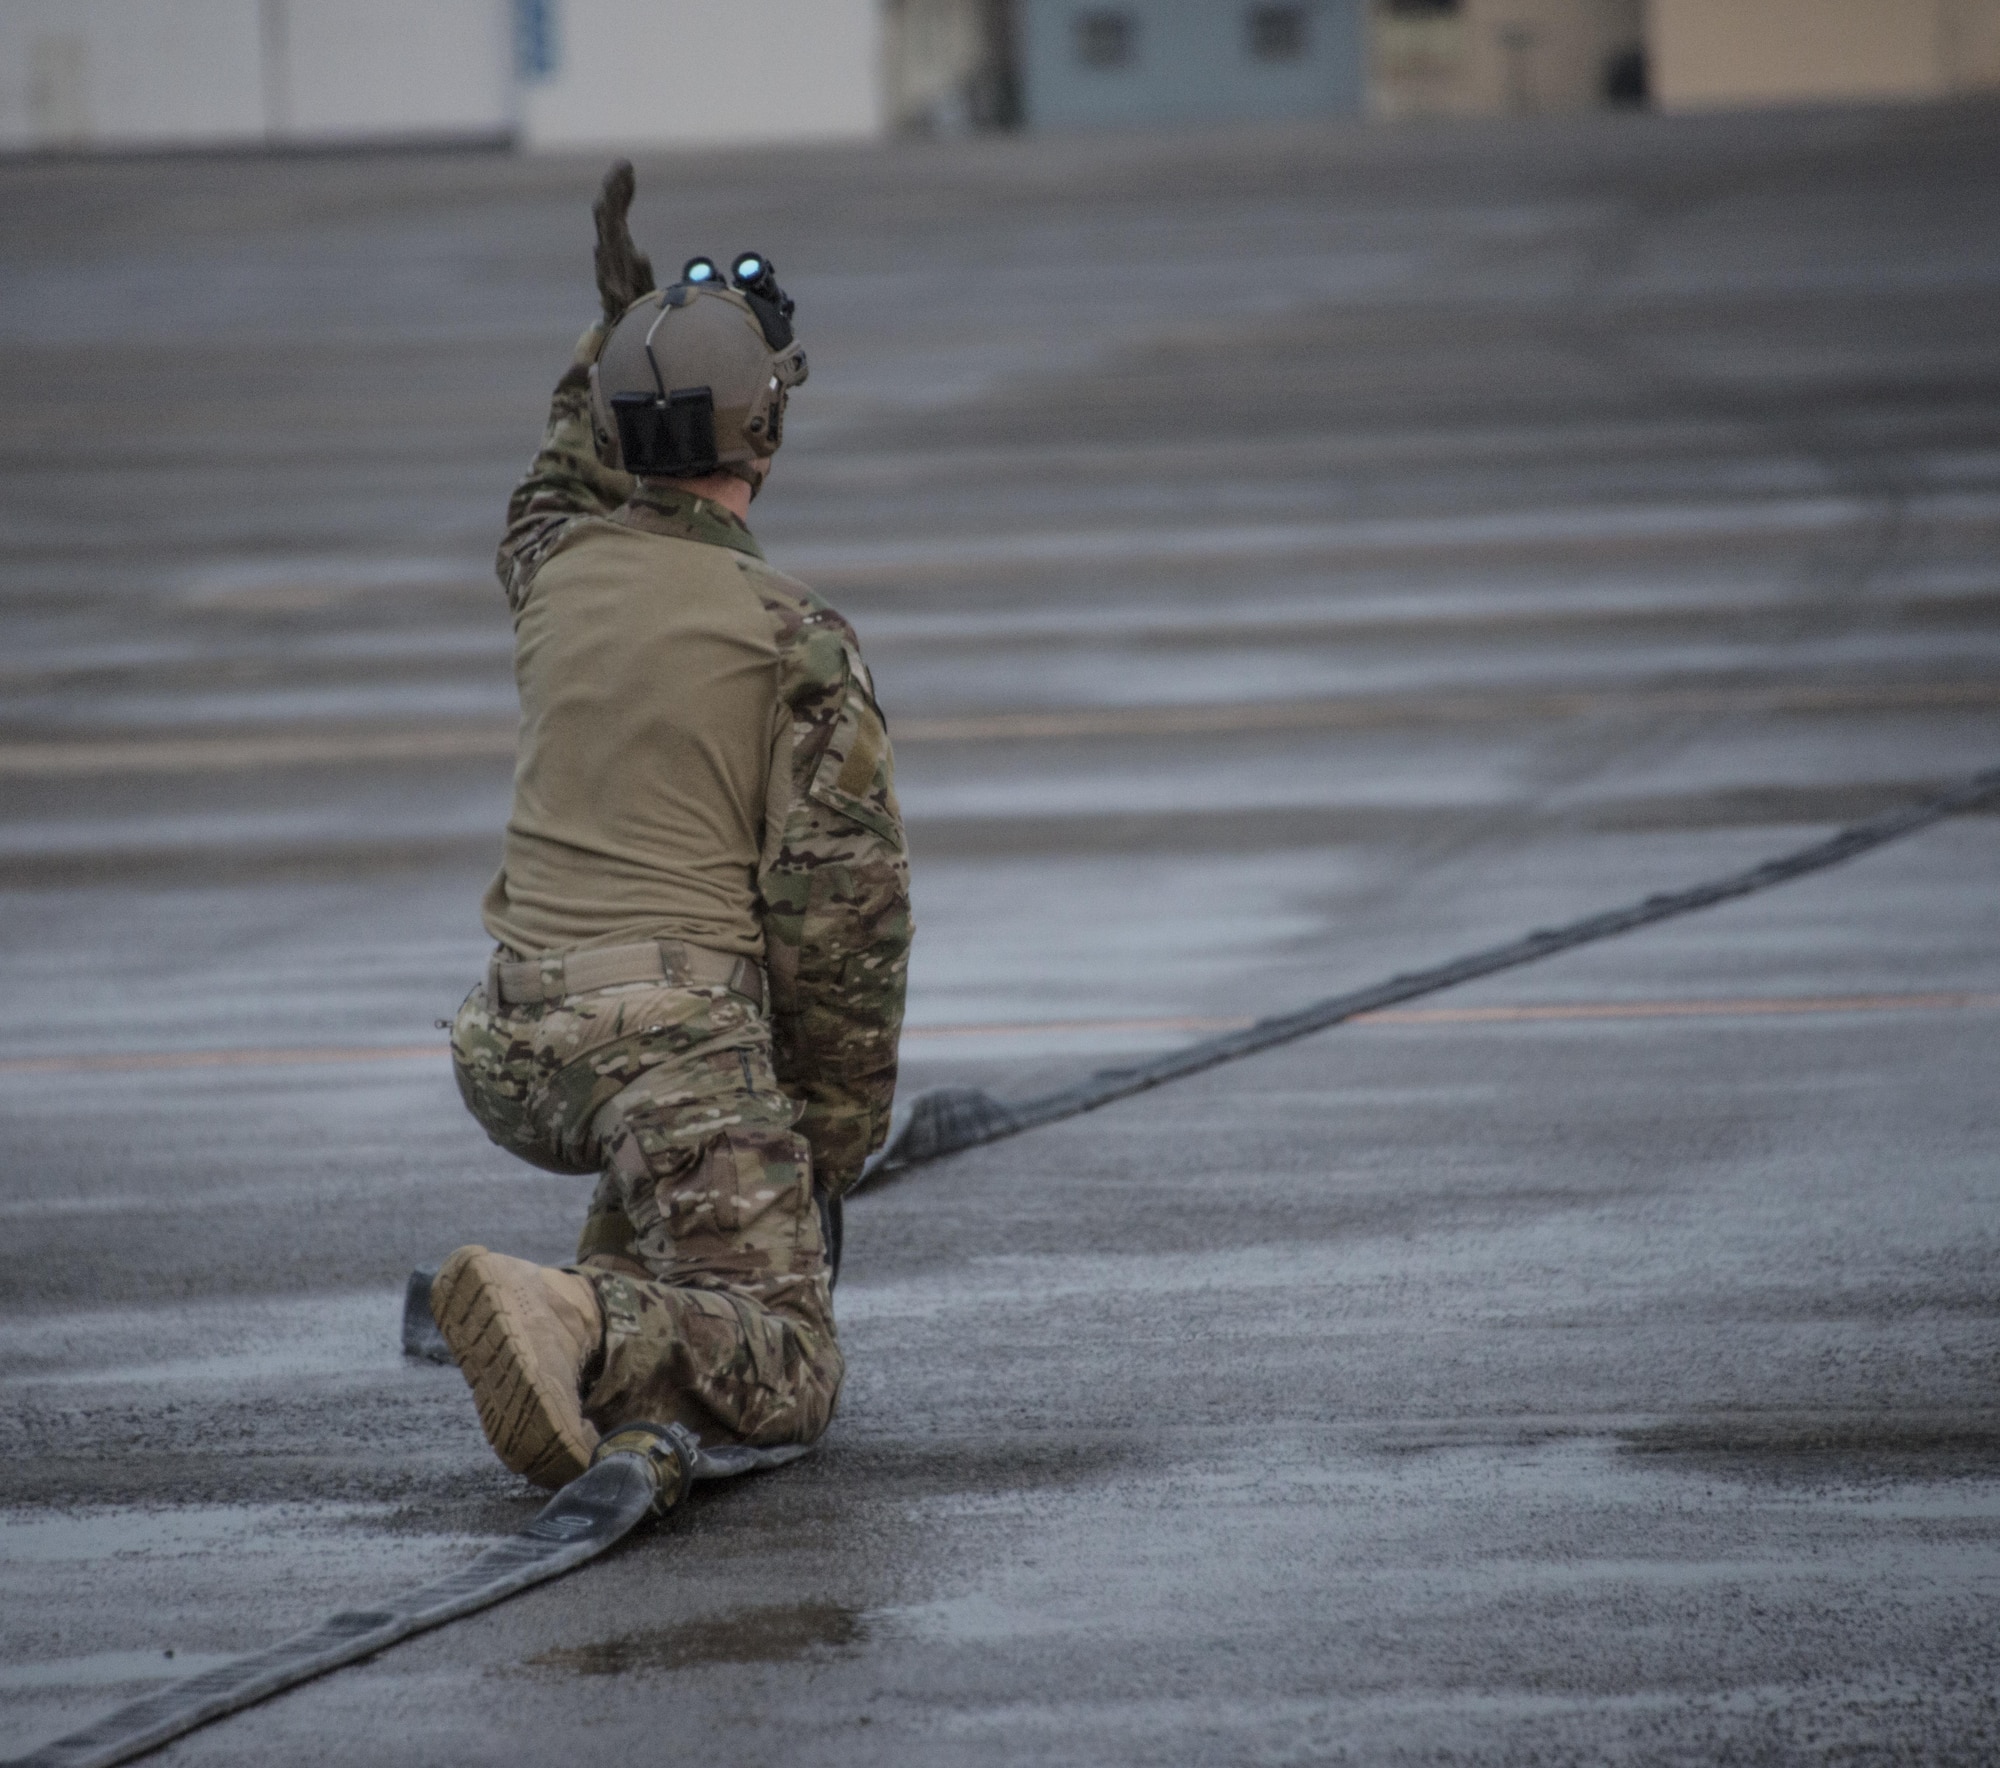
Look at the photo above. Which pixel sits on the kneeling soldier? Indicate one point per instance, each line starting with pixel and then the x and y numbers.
pixel 703 907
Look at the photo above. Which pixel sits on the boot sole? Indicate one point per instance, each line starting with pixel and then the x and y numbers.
pixel 530 1415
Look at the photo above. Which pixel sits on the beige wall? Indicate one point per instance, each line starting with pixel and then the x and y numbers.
pixel 86 73
pixel 708 72
pixel 158 73
pixel 1723 52
pixel 1498 57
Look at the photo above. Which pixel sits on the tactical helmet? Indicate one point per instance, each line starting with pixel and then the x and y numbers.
pixel 693 378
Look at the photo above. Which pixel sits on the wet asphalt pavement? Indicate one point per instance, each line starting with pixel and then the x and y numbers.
pixel 1286 557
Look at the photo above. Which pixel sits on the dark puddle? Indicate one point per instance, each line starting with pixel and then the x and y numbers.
pixel 1929 1444
pixel 749 1636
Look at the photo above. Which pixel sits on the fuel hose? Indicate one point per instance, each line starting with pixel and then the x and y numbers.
pixel 639 1471
pixel 945 1120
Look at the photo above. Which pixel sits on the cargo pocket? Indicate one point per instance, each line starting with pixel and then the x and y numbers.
pixel 741 1215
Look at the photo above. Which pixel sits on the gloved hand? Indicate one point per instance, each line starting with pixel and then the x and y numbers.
pixel 624 273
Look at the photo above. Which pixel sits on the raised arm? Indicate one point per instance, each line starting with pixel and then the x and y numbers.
pixel 564 481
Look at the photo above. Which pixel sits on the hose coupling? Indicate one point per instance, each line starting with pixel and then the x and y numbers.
pixel 666 1451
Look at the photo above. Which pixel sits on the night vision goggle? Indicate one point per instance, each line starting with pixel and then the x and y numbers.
pixel 755 278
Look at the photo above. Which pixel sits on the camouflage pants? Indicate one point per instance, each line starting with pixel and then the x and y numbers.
pixel 703 1241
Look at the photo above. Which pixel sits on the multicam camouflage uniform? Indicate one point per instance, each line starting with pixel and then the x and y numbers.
pixel 712 1125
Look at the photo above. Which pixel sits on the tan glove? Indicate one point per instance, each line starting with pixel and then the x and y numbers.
pixel 624 273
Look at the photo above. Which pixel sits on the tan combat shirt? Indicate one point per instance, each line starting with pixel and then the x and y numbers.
pixel 648 671
pixel 702 757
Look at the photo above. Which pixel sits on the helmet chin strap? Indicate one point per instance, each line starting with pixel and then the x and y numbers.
pixel 747 473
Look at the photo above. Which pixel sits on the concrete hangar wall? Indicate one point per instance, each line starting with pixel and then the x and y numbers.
pixel 161 73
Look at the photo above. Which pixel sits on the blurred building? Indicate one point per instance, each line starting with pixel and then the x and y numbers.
pixel 950 65
pixel 692 72
pixel 145 73
pixel 577 73
pixel 1085 62
pixel 156 73
pixel 1071 62
pixel 1740 52
pixel 1185 61
pixel 1506 57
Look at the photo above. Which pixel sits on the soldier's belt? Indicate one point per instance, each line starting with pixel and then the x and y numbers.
pixel 516 982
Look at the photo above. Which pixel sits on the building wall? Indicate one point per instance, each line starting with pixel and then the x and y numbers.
pixel 1497 57
pixel 141 73
pixel 145 73
pixel 694 72
pixel 933 54
pixel 394 68
pixel 78 72
pixel 1093 62
pixel 1724 52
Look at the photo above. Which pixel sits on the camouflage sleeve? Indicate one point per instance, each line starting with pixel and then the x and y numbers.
pixel 565 480
pixel 836 897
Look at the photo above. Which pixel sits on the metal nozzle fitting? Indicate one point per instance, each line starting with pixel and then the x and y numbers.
pixel 666 1451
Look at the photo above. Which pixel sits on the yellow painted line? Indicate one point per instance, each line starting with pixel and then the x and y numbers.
pixel 236 751
pixel 1752 1007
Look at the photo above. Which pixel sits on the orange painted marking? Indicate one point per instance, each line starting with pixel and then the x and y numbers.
pixel 138 1061
pixel 1750 1007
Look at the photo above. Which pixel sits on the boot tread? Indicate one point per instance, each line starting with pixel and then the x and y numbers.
pixel 530 1412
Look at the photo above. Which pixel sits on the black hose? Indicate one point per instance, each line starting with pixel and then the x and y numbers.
pixel 641 1471
pixel 947 1119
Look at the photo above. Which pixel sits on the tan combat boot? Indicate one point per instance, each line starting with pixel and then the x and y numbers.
pixel 523 1335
